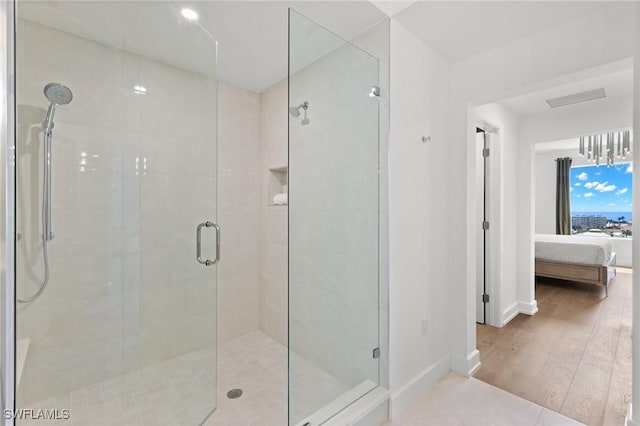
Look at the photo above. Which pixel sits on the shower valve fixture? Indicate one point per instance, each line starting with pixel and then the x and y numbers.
pixel 295 112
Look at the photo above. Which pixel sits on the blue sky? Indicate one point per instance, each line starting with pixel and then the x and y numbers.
pixel 601 189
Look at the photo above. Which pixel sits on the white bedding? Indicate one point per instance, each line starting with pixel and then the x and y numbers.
pixel 588 250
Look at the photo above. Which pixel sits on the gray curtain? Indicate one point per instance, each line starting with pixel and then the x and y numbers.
pixel 563 201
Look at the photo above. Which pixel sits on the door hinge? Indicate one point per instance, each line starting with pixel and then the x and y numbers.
pixel 485 298
pixel 485 152
pixel 376 353
pixel 485 225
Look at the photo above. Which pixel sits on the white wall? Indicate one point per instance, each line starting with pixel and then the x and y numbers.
pixel 545 184
pixel 545 59
pixel 504 232
pixel 623 249
pixel 419 228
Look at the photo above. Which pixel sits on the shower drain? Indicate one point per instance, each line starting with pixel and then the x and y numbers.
pixel 234 393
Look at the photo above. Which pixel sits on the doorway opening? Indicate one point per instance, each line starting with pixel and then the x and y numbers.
pixel 567 344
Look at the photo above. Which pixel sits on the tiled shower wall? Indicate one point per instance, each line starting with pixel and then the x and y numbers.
pixel 274 226
pixel 334 216
pixel 273 219
pixel 238 210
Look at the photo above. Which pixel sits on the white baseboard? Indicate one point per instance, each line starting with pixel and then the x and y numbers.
pixel 407 394
pixel 528 308
pixel 509 314
pixel 473 370
pixel 466 365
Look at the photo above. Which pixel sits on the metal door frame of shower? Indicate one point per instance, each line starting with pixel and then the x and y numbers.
pixel 7 252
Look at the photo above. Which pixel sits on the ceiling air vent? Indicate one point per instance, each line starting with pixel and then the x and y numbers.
pixel 577 98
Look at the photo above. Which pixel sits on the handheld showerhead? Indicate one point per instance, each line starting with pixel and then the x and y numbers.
pixel 47 124
pixel 57 94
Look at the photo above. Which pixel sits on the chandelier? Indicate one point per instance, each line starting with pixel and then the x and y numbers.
pixel 606 146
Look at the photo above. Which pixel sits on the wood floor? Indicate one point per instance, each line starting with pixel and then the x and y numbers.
pixel 573 356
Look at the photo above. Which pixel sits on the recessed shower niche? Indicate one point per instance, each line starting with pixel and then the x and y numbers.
pixel 278 186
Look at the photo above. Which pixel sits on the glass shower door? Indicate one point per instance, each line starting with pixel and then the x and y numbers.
pixel 124 331
pixel 333 223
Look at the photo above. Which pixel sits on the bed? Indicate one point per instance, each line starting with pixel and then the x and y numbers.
pixel 588 259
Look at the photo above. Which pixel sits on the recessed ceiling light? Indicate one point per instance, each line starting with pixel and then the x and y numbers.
pixel 189 14
pixel 140 90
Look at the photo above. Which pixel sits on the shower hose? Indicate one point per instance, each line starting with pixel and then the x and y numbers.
pixel 45 201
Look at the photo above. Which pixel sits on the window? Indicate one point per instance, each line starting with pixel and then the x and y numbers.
pixel 601 198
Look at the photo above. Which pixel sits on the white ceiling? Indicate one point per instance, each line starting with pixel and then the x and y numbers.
pixel 153 30
pixel 251 35
pixel 461 29
pixel 615 84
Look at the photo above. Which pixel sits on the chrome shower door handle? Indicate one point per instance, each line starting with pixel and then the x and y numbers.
pixel 207 262
pixel 217 259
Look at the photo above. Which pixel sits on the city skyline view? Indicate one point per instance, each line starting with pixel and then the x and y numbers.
pixel 599 189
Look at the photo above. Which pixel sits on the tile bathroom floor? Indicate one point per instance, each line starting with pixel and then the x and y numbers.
pixel 174 392
pixel 257 364
pixel 253 362
pixel 458 400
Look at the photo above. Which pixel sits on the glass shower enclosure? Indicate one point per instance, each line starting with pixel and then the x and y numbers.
pixel 115 239
pixel 115 212
pixel 333 222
